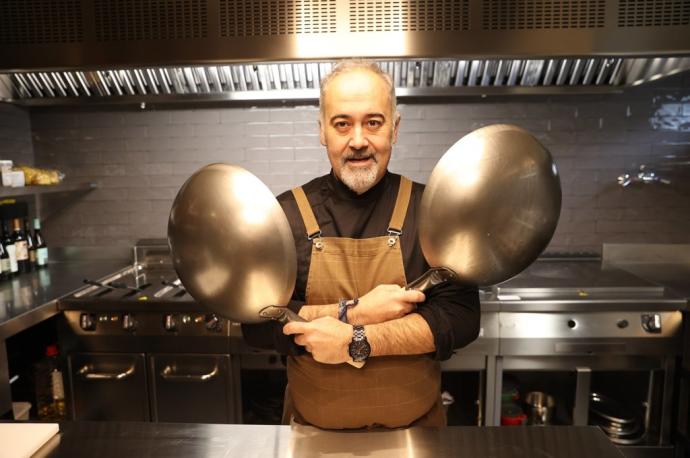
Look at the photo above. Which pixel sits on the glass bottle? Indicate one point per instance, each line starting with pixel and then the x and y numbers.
pixel 31 245
pixel 50 389
pixel 4 262
pixel 8 242
pixel 40 244
pixel 21 246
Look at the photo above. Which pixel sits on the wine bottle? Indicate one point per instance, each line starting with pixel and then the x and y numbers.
pixel 21 246
pixel 11 250
pixel 31 245
pixel 4 262
pixel 40 244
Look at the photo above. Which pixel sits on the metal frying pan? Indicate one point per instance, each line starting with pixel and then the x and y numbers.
pixel 232 246
pixel 489 209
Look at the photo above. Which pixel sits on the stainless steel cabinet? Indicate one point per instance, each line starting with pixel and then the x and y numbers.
pixel 108 386
pixel 191 388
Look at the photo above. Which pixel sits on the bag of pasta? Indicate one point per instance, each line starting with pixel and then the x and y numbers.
pixel 37 176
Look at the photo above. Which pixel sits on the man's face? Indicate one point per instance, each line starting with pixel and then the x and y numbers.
pixel 358 128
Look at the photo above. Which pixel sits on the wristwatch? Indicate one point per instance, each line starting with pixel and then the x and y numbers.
pixel 359 348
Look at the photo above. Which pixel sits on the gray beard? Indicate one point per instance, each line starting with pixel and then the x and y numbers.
pixel 359 180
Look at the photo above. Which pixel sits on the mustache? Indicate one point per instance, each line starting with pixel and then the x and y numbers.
pixel 352 155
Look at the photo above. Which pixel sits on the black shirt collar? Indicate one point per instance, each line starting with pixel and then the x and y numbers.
pixel 341 191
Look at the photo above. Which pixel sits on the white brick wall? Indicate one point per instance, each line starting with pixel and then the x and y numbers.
pixel 140 158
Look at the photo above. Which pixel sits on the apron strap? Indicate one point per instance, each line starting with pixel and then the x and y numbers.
pixel 307 213
pixel 396 223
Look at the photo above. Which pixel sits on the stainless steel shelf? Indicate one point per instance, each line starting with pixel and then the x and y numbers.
pixel 48 189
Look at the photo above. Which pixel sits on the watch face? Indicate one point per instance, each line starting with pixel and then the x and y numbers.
pixel 360 350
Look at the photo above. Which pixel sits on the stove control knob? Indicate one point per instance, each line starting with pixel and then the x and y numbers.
pixel 651 322
pixel 170 323
pixel 128 322
pixel 622 323
pixel 87 322
pixel 213 323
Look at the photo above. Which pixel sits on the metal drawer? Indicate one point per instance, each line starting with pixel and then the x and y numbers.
pixel 108 386
pixel 191 388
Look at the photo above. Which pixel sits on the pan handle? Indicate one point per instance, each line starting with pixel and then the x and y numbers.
pixel 284 315
pixel 431 278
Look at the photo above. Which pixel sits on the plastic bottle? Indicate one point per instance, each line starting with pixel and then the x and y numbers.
pixel 50 389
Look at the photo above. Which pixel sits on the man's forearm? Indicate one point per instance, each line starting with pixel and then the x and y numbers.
pixel 312 312
pixel 409 335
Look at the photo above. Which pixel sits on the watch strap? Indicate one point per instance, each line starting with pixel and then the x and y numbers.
pixel 358 333
pixel 343 306
pixel 342 310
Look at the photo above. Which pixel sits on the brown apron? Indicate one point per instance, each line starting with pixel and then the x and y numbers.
pixel 389 391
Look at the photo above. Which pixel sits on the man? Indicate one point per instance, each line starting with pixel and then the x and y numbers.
pixel 357 246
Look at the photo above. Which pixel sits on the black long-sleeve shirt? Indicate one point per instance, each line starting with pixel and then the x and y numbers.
pixel 451 310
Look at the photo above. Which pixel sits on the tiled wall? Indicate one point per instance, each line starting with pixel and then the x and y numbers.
pixel 139 159
pixel 15 135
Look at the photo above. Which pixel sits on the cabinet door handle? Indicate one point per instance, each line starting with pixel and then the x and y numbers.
pixel 88 373
pixel 170 373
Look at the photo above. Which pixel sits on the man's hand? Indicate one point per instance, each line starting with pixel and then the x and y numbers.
pixel 384 303
pixel 327 339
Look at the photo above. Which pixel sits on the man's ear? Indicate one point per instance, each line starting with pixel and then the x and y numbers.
pixel 322 134
pixel 396 125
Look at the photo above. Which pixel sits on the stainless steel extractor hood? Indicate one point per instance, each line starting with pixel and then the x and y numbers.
pixel 125 50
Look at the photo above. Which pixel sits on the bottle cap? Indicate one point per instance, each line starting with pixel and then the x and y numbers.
pixel 52 350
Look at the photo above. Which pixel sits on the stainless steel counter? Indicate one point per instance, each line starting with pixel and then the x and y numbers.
pixel 106 439
pixel 665 264
pixel 584 286
pixel 675 277
pixel 28 299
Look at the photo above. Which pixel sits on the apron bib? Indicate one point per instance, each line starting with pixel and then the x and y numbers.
pixel 389 391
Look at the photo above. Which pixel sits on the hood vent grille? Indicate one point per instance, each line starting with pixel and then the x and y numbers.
pixel 543 14
pixel 127 20
pixel 409 15
pixel 40 21
pixel 653 13
pixel 250 18
pixel 299 80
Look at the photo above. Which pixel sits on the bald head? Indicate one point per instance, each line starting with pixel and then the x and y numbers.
pixel 357 65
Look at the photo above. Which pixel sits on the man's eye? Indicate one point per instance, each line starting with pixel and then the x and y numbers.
pixel 340 124
pixel 374 123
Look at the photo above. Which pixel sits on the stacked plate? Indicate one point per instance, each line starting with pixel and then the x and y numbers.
pixel 622 424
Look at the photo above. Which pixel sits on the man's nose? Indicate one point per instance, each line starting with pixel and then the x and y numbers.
pixel 358 139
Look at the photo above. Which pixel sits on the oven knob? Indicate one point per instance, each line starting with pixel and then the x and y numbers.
pixel 128 322
pixel 572 324
pixel 170 323
pixel 87 322
pixel 622 323
pixel 651 323
pixel 213 323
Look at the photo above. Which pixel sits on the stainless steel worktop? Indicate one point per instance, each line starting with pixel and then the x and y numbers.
pixel 30 298
pixel 664 264
pixel 583 286
pixel 106 439
pixel 675 277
